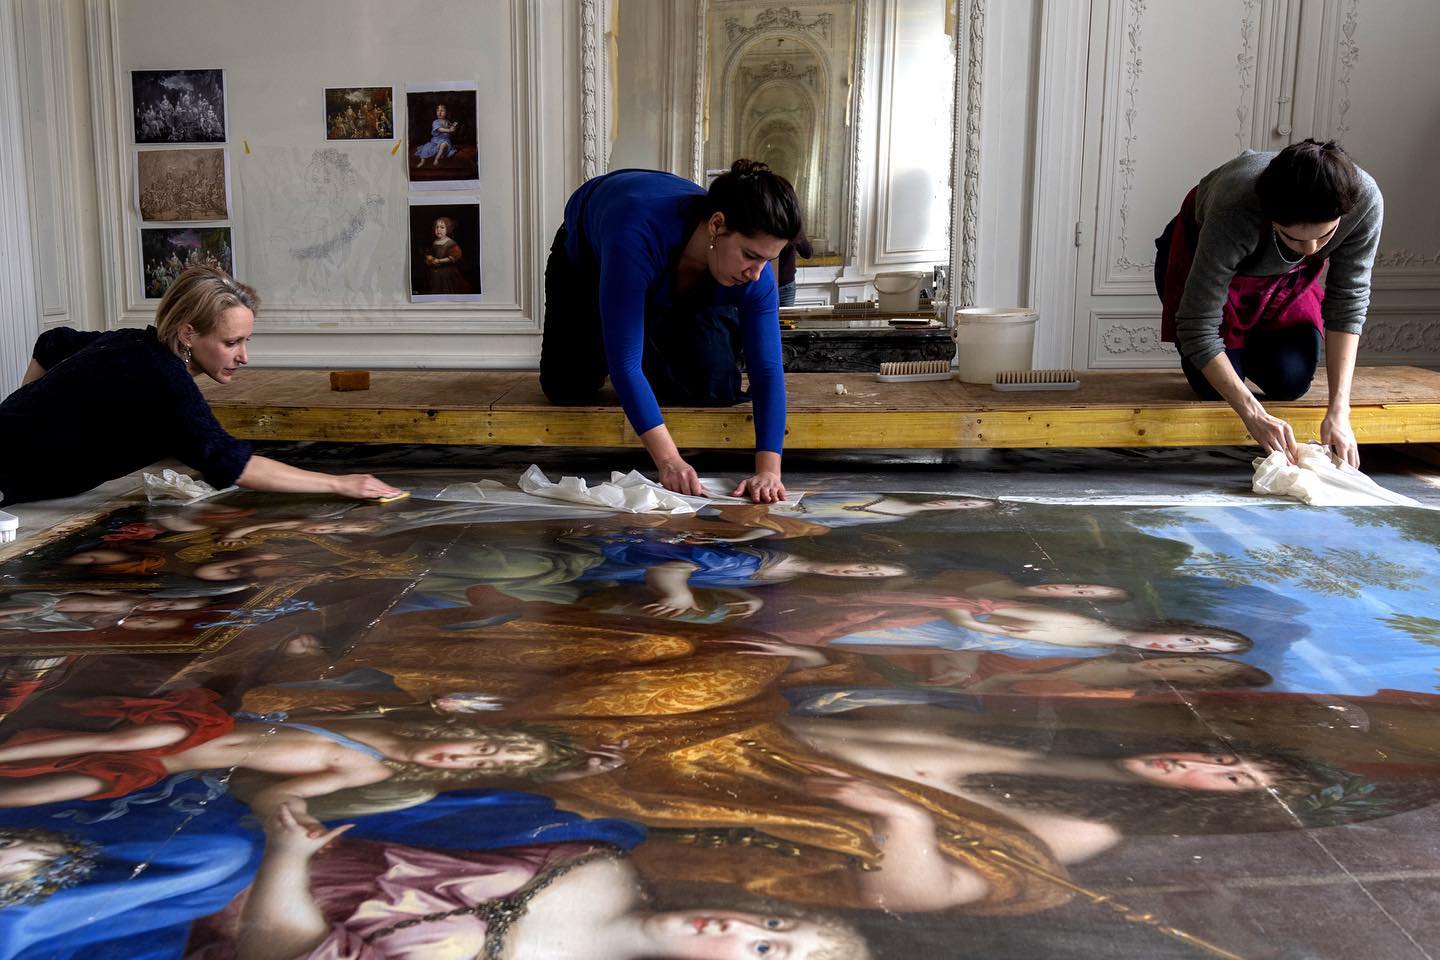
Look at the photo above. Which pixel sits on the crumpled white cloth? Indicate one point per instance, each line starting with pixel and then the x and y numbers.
pixel 631 492
pixel 1316 480
pixel 625 493
pixel 168 486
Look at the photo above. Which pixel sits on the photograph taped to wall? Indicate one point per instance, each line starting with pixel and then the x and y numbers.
pixel 442 152
pixel 178 106
pixel 166 252
pixel 444 250
pixel 319 226
pixel 182 185
pixel 359 113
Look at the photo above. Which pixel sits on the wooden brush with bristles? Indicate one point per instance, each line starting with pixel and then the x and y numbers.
pixel 1036 380
pixel 905 371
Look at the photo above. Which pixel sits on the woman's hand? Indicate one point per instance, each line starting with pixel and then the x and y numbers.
pixel 679 476
pixel 287 835
pixel 759 647
pixel 1271 433
pixel 362 486
pixel 1335 432
pixel 672 605
pixel 761 488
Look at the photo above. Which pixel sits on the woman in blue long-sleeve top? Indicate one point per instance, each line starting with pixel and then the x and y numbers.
pixel 664 287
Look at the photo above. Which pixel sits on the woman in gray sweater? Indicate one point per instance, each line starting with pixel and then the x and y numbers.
pixel 1239 271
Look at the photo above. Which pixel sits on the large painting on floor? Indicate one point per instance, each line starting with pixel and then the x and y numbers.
pixel 862 725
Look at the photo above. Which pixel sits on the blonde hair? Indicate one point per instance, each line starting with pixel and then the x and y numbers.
pixel 198 297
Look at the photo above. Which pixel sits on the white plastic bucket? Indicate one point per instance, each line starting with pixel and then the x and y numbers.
pixel 899 292
pixel 989 339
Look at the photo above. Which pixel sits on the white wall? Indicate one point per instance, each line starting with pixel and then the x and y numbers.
pixel 278 57
pixel 68 231
pixel 1355 72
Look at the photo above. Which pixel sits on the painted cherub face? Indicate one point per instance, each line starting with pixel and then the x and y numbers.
pixel 1219 773
pixel 497 754
pixel 1183 642
pixel 860 569
pixel 19 856
pixel 734 935
pixel 1078 591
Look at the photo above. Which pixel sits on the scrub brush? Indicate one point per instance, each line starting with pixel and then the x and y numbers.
pixel 910 370
pixel 9 523
pixel 1036 380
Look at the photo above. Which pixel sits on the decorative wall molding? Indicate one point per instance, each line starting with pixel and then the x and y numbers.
pixel 697 112
pixel 1121 338
pixel 859 170
pixel 779 19
pixel 1404 259
pixel 1401 334
pixel 123 299
pixel 1348 56
pixel 1128 339
pixel 1245 71
pixel 1125 165
pixel 594 87
pixel 969 88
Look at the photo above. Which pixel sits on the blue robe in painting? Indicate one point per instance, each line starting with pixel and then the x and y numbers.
pixel 196 862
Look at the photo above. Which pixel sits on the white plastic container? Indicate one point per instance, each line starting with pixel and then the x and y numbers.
pixel 989 339
pixel 899 292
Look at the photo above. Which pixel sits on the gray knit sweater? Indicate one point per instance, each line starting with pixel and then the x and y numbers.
pixel 1235 238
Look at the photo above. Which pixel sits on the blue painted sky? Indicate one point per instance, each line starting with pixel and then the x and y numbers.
pixel 1311 642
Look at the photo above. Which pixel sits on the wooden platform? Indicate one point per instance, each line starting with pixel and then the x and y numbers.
pixel 1389 405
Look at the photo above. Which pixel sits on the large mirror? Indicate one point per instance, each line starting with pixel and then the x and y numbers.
pixel 852 100
pixel 779 87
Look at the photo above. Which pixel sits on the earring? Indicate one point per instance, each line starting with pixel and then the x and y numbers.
pixel 185 352
pixel 712 241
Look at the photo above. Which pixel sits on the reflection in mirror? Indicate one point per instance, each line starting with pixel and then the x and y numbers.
pixel 779 87
pixel 852 100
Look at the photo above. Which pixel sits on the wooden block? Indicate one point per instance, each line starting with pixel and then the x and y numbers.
pixel 349 379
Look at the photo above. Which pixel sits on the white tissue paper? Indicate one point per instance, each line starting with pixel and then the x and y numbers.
pixel 168 486
pixel 631 492
pixel 625 493
pixel 1316 480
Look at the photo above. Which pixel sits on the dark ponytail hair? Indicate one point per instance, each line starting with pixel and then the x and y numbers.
pixel 1308 182
pixel 755 200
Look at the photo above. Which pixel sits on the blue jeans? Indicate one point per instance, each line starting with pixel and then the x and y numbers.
pixel 1280 362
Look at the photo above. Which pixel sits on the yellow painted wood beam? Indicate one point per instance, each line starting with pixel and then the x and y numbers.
pixel 1194 424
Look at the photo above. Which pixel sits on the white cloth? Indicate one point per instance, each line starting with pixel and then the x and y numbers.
pixel 624 493
pixel 168 486
pixel 631 492
pixel 1316 480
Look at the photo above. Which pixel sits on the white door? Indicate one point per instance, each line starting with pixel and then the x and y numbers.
pixel 1175 88
pixel 1171 94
